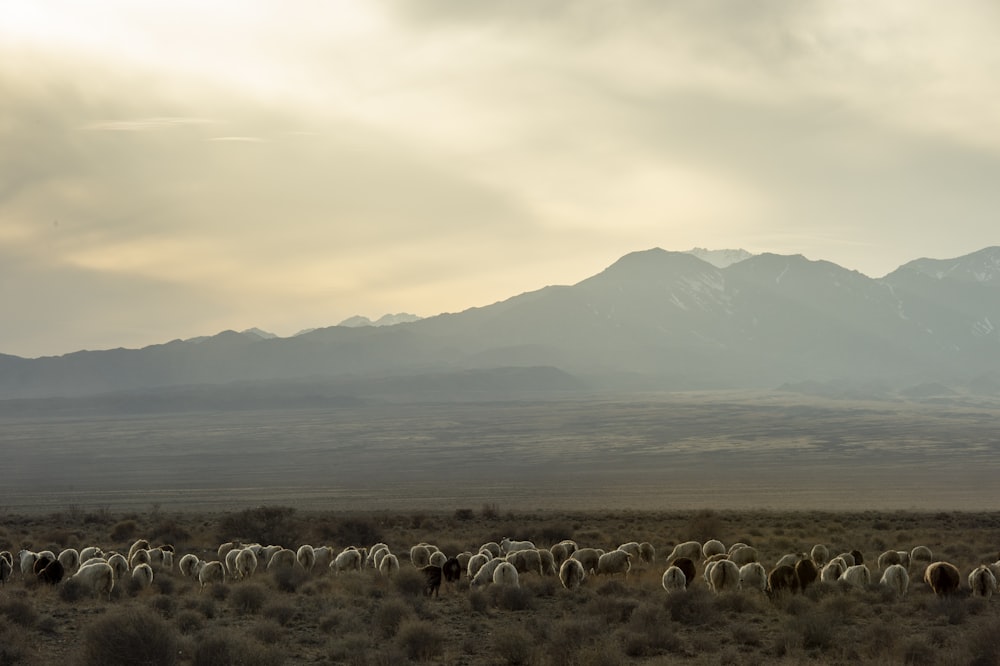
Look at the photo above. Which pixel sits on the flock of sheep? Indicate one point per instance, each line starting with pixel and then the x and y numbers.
pixel 502 563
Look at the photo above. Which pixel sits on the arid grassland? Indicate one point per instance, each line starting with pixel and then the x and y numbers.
pixel 295 617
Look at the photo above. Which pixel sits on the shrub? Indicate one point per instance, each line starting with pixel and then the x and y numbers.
pixel 279 612
pixel 705 525
pixel 72 591
pixel 268 631
pixel 163 604
pixel 230 649
pixel 247 599
pixel 189 621
pixel 133 635
pixel 389 616
pixel 289 579
pixel 409 582
pixel 692 607
pixel 464 514
pixel 420 640
pixel 264 524
pixel 19 612
pixel 512 645
pixel 355 531
pixel 123 530
pixel 815 629
pixel 510 598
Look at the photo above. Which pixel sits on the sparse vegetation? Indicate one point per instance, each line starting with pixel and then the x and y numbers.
pixel 362 618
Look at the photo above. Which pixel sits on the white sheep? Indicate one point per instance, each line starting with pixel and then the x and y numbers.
pixel 322 557
pixel 138 544
pixel 26 561
pixel 896 578
pixel 69 558
pixel 230 563
pixel 789 560
pixel 420 556
pixel 492 547
pixel 921 554
pixel 848 559
pixel 615 562
pixel 475 564
pixel 982 582
pixel 706 573
pixel 833 570
pixel 571 574
pixel 820 555
pixel 96 577
pixel 265 553
pixel 211 572
pixel 888 558
pixel 688 549
pixel 485 573
pixel 857 576
pixel 674 580
pixel 632 548
pixel 437 559
pixel 526 561
pixel 225 548
pixel 306 556
pixel 90 552
pixel 743 555
pixel 548 562
pixel 119 564
pixel 647 553
pixel 725 576
pixel 246 562
pixel 348 559
pixel 187 565
pixel 904 558
pixel 284 558
pixel 509 546
pixel 142 576
pixel 753 576
pixel 375 555
pixel 505 574
pixel 588 557
pixel 6 567
pixel 712 547
pixel 388 565
pixel 138 557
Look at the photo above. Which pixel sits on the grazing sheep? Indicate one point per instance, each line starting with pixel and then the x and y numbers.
pixel 526 561
pixel 646 552
pixel 858 557
pixel 485 573
pixel 42 562
pixel 632 548
pixel 225 548
pixel 904 557
pixel 437 558
pixel 673 579
pixel 753 576
pixel 388 566
pixel 69 558
pixel 848 559
pixel 26 560
pixel 921 554
pixel 322 557
pixel 420 556
pixel 119 564
pixel 90 552
pixel 432 580
pixel 789 560
pixel 943 577
pixel 688 549
pixel 548 562
pixel 464 557
pixel 51 573
pixel 744 555
pixel 6 567
pixel 820 555
pixel 782 579
pixel 348 560
pixel 733 548
pixel 492 547
pixel 713 547
pixel 725 575
pixel 140 556
pixel 283 559
pixel 615 562
pixel 833 570
pixel 451 570
pixel 211 572
pixel 139 544
pixel 509 546
pixel 230 563
pixel 588 557
pixel 982 582
pixel 571 574
pixel 888 558
pixel 375 555
pixel 306 556
pixel 187 565
pixel 806 573
pixel 857 576
pixel 505 574
pixel 687 565
pixel 96 577
pixel 896 578
pixel 706 573
pixel 266 553
pixel 475 564
pixel 246 563
pixel 142 576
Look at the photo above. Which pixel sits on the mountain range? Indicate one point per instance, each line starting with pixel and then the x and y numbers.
pixel 653 320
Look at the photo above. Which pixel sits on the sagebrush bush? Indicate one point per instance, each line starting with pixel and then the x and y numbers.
pixel 389 616
pixel 123 530
pixel 247 598
pixel 20 612
pixel 420 640
pixel 510 598
pixel 512 645
pixel 225 648
pixel 189 621
pixel 133 635
pixel 409 582
pixel 72 591
pixel 280 612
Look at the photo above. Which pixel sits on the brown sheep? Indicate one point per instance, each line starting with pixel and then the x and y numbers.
pixel 686 565
pixel 943 577
pixel 805 573
pixel 782 579
pixel 432 580
pixel 52 573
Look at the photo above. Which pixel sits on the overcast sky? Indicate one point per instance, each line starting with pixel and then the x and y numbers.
pixel 174 169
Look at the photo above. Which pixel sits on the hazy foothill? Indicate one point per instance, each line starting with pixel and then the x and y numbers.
pixel 767 399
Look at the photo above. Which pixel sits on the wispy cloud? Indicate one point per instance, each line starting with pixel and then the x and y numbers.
pixel 146 124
